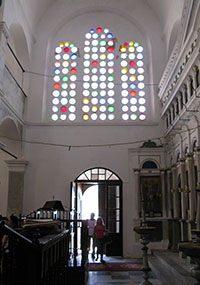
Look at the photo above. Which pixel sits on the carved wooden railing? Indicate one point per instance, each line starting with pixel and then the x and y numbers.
pixel 35 262
pixel 79 240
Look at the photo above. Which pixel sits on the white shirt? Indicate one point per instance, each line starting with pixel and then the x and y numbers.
pixel 91 225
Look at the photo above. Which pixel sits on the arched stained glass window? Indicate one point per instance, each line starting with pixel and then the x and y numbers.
pixel 132 81
pixel 98 80
pixel 64 88
pixel 97 174
pixel 111 80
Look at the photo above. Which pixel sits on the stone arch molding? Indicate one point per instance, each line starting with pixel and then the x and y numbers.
pixel 10 128
pixel 19 40
pixel 150 159
pixel 10 136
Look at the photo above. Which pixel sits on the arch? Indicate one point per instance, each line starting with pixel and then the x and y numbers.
pixel 194 144
pixel 110 206
pixel 20 43
pixel 97 174
pixel 10 136
pixel 17 44
pixel 149 164
pixel 9 128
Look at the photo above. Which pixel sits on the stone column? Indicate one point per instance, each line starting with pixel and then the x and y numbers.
pixel 184 93
pixel 192 194
pixel 4 34
pixel 184 235
pixel 137 194
pixel 183 200
pixel 175 193
pixel 171 114
pixel 194 70
pixel 16 170
pixel 179 102
pixel 169 119
pixel 188 88
pixel 169 186
pixel 164 211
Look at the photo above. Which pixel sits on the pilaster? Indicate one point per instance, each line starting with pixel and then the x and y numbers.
pixel 16 170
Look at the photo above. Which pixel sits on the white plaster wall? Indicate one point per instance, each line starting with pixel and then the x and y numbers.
pixel 71 24
pixel 51 168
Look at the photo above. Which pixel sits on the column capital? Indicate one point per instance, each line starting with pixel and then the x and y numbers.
pixel 182 159
pixel 189 156
pixel 169 171
pixel 17 165
pixel 4 29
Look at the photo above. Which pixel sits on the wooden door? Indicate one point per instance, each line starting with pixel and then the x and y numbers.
pixel 110 209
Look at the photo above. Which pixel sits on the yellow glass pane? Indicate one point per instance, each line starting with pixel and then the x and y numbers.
pixel 124 70
pixel 61 45
pixel 94 109
pixel 85 117
pixel 85 101
pixel 122 49
pixel 66 44
pixel 102 56
pixel 131 49
pixel 132 78
pixel 131 43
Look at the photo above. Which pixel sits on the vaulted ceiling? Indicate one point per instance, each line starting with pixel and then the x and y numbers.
pixel 164 10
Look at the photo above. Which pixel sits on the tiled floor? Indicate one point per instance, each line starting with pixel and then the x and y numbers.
pixel 118 277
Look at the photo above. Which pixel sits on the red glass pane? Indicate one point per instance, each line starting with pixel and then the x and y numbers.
pixel 98 30
pixel 56 85
pixel 73 70
pixel 132 63
pixel 94 63
pixel 110 49
pixel 66 49
pixel 125 44
pixel 133 93
pixel 63 109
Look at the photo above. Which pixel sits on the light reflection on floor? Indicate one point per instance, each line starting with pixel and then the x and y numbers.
pixel 117 277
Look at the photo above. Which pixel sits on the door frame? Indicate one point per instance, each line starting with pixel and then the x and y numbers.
pixel 108 182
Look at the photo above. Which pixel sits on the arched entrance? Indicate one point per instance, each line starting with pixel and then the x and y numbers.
pixel 109 202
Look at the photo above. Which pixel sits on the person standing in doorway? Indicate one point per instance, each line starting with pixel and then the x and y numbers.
pixel 91 224
pixel 99 233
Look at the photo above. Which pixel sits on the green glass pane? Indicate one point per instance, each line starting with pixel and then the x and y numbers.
pixel 111 109
pixel 136 44
pixel 133 116
pixel 102 43
pixel 110 78
pixel 64 85
pixel 65 78
pixel 94 93
pixel 71 44
pixel 64 93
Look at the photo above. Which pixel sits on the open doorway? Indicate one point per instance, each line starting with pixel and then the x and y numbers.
pixel 90 202
pixel 105 187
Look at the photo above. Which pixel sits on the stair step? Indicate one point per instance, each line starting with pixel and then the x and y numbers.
pixel 169 267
